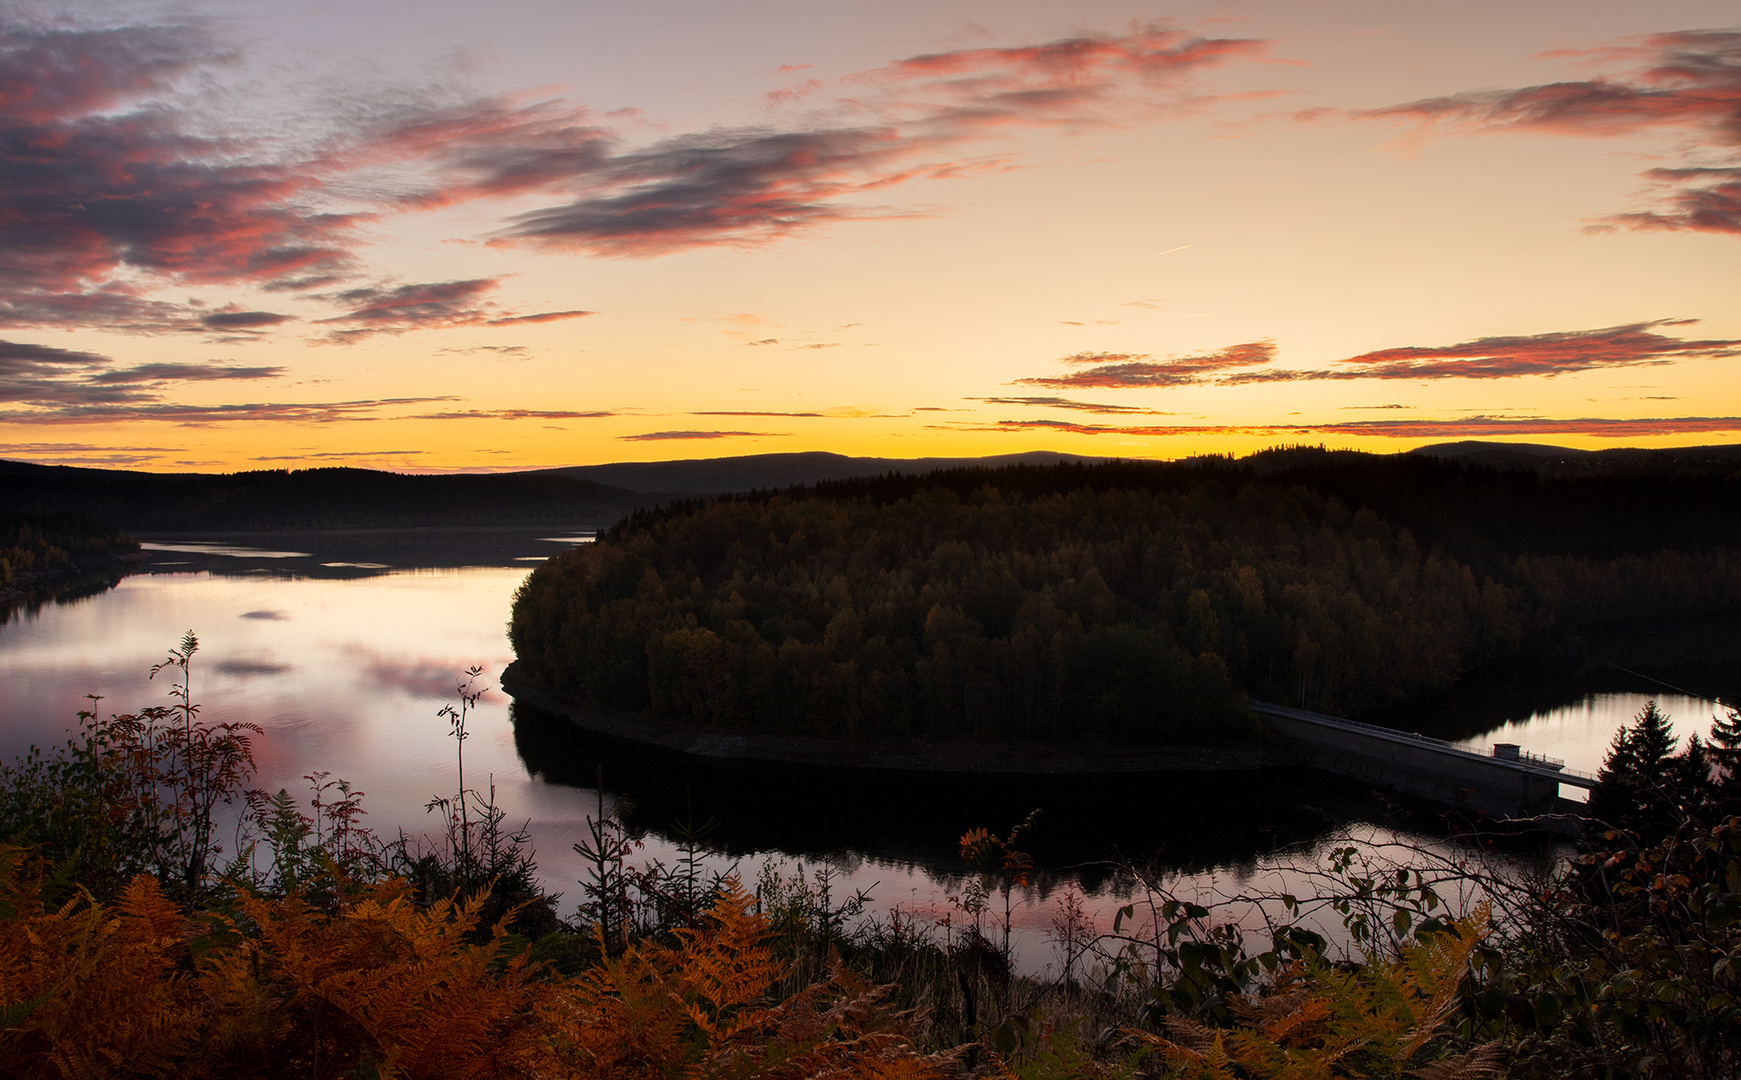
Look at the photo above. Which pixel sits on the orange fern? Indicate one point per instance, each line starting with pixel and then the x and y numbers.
pixel 1318 1022
pixel 382 983
pixel 88 990
pixel 703 1008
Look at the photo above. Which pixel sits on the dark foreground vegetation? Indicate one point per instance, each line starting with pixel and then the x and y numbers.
pixel 136 939
pixel 1120 602
pixel 308 498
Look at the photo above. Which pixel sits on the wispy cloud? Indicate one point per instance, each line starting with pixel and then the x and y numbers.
pixel 48 376
pixel 173 372
pixel 1702 199
pixel 85 454
pixel 745 412
pixel 1499 357
pixel 412 307
pixel 539 317
pixel 116 184
pixel 22 358
pixel 916 118
pixel 1488 426
pixel 1469 427
pixel 64 386
pixel 327 455
pixel 243 320
pixel 517 352
pixel 317 412
pixel 514 414
pixel 97 186
pixel 1066 403
pixel 1684 81
pixel 659 436
pixel 1549 354
pixel 1112 371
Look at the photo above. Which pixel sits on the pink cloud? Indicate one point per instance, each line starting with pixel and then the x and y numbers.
pixel 1507 357
pixel 129 411
pixel 1110 371
pixel 514 414
pixel 92 194
pixel 60 379
pixel 539 317
pixel 1470 427
pixel 411 307
pixel 1684 81
pixel 1549 354
pixel 1042 77
pixel 661 436
pixel 748 412
pixel 1074 406
pixel 1701 199
pixel 1536 354
pixel 111 190
pixel 915 119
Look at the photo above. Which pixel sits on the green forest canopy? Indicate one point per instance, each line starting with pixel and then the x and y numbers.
pixel 1130 602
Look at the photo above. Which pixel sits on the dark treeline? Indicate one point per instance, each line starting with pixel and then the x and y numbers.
pixel 43 556
pixel 307 498
pixel 1118 601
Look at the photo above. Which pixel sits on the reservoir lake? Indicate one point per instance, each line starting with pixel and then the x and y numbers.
pixel 343 646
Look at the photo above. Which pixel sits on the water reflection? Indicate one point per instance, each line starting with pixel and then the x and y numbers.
pixel 1189 821
pixel 355 553
pixel 1579 733
pixel 344 654
pixel 1695 657
pixel 234 551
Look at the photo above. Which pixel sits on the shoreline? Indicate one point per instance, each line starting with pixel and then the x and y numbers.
pixel 938 759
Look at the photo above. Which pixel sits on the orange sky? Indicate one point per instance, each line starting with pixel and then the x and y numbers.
pixel 456 236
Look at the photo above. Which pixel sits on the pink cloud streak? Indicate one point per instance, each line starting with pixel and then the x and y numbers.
pixel 1687 81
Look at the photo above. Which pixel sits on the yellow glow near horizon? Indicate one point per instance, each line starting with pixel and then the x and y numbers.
pixel 878 237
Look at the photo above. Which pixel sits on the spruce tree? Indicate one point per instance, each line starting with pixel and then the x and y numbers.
pixel 1724 750
pixel 1634 785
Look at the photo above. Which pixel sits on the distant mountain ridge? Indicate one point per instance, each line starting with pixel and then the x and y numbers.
pixel 323 498
pixel 584 496
pixel 716 476
pixel 595 496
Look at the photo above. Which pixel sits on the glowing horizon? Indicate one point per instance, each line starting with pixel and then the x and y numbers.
pixel 433 238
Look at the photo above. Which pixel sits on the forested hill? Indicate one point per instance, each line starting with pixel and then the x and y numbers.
pixel 308 498
pixel 1117 601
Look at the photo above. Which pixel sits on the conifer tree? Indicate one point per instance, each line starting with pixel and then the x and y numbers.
pixel 1633 785
pixel 1724 750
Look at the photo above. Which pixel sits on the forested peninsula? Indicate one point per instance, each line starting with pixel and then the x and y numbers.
pixel 1119 603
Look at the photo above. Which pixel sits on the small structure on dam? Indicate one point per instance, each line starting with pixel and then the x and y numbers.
pixel 1507 781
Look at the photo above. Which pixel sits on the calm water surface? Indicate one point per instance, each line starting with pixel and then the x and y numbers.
pixel 344 646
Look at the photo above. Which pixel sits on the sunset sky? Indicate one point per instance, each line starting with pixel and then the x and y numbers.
pixel 435 235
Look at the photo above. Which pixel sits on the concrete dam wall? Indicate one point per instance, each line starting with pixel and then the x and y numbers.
pixel 1507 782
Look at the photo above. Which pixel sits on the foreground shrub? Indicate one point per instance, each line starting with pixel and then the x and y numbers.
pixel 383 987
